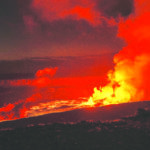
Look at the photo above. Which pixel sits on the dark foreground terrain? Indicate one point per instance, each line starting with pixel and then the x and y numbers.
pixel 132 133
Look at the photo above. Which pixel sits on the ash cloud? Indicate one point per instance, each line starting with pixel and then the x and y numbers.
pixel 76 28
pixel 116 8
pixel 90 11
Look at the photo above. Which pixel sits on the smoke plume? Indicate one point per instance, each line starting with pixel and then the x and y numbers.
pixel 129 81
pixel 52 10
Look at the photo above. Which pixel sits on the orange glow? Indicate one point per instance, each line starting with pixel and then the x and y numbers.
pixel 85 13
pixel 7 108
pixel 6 112
pixel 46 72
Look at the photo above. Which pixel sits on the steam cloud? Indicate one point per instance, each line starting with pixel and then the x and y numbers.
pixel 134 59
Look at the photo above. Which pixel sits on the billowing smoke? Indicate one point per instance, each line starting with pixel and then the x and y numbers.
pixel 53 10
pixel 129 81
pixel 136 32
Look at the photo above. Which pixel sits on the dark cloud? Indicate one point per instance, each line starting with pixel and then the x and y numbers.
pixel 25 68
pixel 13 94
pixel 114 8
pixel 25 33
pixel 53 10
pixel 9 11
pixel 16 76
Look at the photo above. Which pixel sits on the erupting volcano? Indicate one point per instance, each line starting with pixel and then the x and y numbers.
pixel 127 82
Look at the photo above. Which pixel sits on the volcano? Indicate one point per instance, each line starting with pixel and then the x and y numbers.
pixel 92 128
pixel 85 84
pixel 106 113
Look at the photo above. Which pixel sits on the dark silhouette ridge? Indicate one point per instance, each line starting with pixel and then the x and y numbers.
pixel 125 134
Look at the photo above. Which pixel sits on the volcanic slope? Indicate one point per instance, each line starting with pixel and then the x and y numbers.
pixel 106 113
pixel 126 134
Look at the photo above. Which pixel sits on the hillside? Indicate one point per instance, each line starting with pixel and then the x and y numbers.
pixel 128 133
pixel 107 113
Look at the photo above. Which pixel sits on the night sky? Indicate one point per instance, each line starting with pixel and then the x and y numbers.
pixel 45 28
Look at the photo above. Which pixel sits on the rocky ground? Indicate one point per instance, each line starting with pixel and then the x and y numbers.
pixel 130 133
